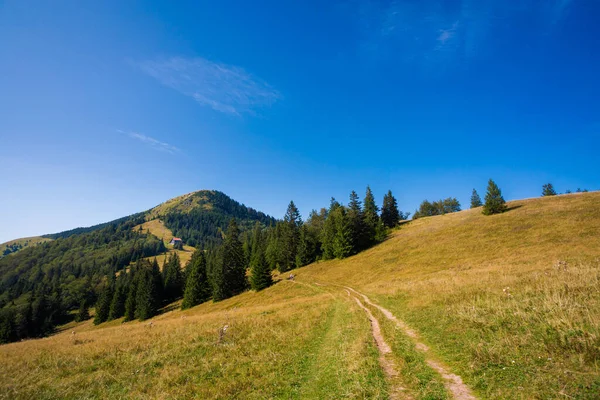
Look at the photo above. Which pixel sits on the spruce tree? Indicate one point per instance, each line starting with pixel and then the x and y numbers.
pixel 117 305
pixel 475 199
pixel 370 219
pixel 148 291
pixel 356 224
pixel 329 231
pixel 230 274
pixel 307 248
pixel 103 304
pixel 291 237
pixel 260 277
pixel 342 243
pixel 197 288
pixel 130 301
pixel 83 313
pixel 173 278
pixel 390 216
pixel 494 202
pixel 548 190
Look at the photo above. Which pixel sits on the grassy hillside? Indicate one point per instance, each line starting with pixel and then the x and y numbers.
pixel 509 303
pixel 13 246
pixel 157 228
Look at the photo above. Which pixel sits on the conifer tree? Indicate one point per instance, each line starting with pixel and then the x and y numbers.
pixel 103 304
pixel 307 248
pixel 261 277
pixel 342 243
pixel 173 278
pixel 390 216
pixel 329 231
pixel 117 305
pixel 83 313
pixel 548 190
pixel 130 300
pixel 197 288
pixel 475 199
pixel 494 202
pixel 148 291
pixel 370 219
pixel 291 237
pixel 356 224
pixel 230 274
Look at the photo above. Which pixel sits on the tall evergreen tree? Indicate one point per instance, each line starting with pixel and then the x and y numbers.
pixel 390 216
pixel 173 278
pixel 356 224
pixel 329 231
pixel 291 237
pixel 307 248
pixel 371 219
pixel 148 291
pixel 117 305
pixel 130 301
pixel 103 304
pixel 197 287
pixel 230 274
pixel 494 202
pixel 548 190
pixel 83 313
pixel 260 277
pixel 475 199
pixel 342 242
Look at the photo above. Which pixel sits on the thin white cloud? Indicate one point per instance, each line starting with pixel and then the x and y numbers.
pixel 224 88
pixel 447 34
pixel 150 141
pixel 436 34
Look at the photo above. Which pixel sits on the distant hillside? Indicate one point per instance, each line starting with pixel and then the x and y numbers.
pixel 13 246
pixel 65 268
pixel 199 217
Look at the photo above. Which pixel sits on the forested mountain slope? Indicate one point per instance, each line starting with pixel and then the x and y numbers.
pixel 40 284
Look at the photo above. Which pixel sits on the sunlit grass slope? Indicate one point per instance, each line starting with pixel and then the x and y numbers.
pixel 511 302
pixel 289 341
pixel 157 228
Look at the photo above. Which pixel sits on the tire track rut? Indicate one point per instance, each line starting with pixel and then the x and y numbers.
pixel 453 383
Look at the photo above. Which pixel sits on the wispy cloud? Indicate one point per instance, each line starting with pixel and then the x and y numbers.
pixel 224 88
pixel 150 141
pixel 432 33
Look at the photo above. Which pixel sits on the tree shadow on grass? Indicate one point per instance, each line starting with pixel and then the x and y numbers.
pixel 513 208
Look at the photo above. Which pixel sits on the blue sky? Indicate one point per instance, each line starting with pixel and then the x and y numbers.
pixel 109 108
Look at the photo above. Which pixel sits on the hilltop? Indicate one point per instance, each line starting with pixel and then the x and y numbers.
pixel 508 303
pixel 53 274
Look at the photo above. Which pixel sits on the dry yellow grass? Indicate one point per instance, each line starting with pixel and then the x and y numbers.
pixel 289 341
pixel 181 203
pixel 511 301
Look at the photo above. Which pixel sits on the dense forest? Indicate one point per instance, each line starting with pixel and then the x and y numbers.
pixel 202 226
pixel 40 284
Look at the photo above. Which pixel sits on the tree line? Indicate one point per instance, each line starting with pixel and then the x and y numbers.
pixel 220 271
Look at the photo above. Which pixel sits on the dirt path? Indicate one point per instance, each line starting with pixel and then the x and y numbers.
pixel 388 366
pixel 452 382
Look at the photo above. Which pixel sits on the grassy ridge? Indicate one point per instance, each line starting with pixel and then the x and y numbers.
pixel 510 301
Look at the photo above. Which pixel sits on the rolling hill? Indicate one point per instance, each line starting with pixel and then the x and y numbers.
pixel 454 306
